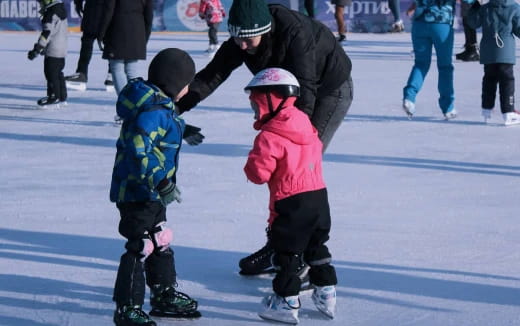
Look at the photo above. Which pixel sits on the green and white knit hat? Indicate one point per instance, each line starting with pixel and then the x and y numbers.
pixel 249 18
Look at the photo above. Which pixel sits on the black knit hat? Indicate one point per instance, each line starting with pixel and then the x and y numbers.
pixel 249 18
pixel 171 69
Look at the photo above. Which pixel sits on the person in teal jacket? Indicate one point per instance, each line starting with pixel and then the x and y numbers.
pixel 500 22
pixel 432 27
pixel 144 183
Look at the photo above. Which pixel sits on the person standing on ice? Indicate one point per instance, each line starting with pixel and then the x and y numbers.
pixel 500 22
pixel 143 184
pixel 212 11
pixel 265 36
pixel 287 155
pixel 432 27
pixel 53 44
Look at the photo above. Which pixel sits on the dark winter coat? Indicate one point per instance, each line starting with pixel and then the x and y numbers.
pixel 500 22
pixel 92 13
pixel 125 28
pixel 149 142
pixel 297 43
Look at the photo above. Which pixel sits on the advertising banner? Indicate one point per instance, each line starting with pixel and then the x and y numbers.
pixel 362 16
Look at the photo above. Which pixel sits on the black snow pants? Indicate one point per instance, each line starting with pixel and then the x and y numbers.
pixel 53 70
pixel 500 74
pixel 300 232
pixel 138 221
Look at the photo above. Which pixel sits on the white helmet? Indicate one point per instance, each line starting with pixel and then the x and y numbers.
pixel 275 79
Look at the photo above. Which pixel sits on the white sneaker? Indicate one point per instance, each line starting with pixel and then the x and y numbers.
pixel 324 297
pixel 409 107
pixel 450 115
pixel 511 118
pixel 284 310
pixel 486 114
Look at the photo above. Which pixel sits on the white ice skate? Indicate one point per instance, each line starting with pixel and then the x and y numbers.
pixel 451 114
pixel 324 297
pixel 486 114
pixel 280 309
pixel 409 108
pixel 511 118
pixel 77 82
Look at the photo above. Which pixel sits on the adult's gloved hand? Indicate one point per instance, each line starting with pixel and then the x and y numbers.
pixel 78 5
pixel 35 51
pixel 169 192
pixel 192 135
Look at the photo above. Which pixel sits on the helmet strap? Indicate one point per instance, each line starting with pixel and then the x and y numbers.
pixel 273 112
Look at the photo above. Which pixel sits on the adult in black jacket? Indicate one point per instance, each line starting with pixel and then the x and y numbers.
pixel 274 36
pixel 90 12
pixel 125 28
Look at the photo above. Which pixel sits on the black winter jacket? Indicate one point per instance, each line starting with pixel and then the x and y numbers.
pixel 297 43
pixel 125 28
pixel 92 12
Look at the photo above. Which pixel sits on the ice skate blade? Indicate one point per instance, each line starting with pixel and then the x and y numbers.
pixel 283 321
pixel 110 88
pixel 269 270
pixel 56 106
pixel 76 86
pixel 186 315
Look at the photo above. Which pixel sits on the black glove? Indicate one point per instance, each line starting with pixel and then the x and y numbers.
pixel 100 44
pixel 78 5
pixel 38 49
pixel 169 192
pixel 192 135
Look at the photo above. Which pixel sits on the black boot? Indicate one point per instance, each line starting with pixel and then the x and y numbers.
pixel 258 262
pixel 167 302
pixel 470 53
pixel 128 315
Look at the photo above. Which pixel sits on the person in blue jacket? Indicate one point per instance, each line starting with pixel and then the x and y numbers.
pixel 144 183
pixel 432 27
pixel 500 22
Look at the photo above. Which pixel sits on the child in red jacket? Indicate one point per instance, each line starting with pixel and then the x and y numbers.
pixel 212 11
pixel 287 154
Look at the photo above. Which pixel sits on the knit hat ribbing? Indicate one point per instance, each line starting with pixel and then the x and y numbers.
pixel 249 18
pixel 171 70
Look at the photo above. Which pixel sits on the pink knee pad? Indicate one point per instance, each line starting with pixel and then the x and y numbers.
pixel 163 237
pixel 147 249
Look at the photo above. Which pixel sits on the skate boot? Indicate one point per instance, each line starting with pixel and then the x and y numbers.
pixel 128 315
pixel 258 262
pixel 280 309
pixel 77 81
pixel 397 27
pixel 109 84
pixel 450 114
pixel 167 302
pixel 342 38
pixel 486 114
pixel 470 53
pixel 324 297
pixel 409 108
pixel 49 102
pixel 511 118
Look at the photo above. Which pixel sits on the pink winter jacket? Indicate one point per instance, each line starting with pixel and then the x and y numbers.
pixel 212 11
pixel 287 155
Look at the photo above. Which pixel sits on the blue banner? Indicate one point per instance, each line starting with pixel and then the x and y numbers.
pixel 183 15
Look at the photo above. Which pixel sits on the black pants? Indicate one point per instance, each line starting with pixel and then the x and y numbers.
pixel 138 221
pixel 300 231
pixel 53 70
pixel 85 53
pixel 309 7
pixel 470 34
pixel 212 33
pixel 330 111
pixel 500 74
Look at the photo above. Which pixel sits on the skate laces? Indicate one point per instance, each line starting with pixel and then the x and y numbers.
pixel 135 313
pixel 292 302
pixel 260 254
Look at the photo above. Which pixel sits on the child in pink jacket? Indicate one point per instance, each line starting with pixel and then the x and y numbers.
pixel 287 155
pixel 212 11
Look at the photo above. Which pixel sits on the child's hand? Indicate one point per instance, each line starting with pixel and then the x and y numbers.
pixel 169 192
